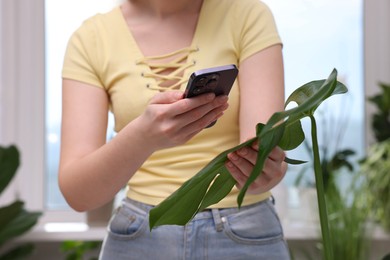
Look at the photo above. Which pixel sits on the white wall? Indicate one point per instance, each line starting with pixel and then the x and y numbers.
pixel 377 51
pixel 22 85
pixel 1 58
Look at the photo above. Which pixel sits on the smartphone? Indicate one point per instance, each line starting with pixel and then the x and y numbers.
pixel 218 80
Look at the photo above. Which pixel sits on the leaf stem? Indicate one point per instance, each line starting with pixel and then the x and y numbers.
pixel 328 250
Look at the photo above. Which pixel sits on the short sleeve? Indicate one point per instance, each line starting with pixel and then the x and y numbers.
pixel 80 61
pixel 258 29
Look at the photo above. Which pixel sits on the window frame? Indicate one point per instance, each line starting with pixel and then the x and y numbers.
pixel 22 106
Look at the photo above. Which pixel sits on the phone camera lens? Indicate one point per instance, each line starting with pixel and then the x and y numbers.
pixel 197 90
pixel 201 82
pixel 212 83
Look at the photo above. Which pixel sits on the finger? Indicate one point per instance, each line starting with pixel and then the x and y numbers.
pixel 187 104
pixel 277 154
pixel 242 164
pixel 262 184
pixel 203 110
pixel 168 97
pixel 255 145
pixel 202 116
pixel 274 170
pixel 192 125
pixel 249 154
pixel 236 174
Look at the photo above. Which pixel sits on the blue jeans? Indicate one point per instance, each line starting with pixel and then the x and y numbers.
pixel 253 232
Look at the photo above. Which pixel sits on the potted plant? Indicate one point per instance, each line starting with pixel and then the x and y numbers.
pixel 15 220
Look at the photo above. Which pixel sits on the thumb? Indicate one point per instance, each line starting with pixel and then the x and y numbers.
pixel 167 97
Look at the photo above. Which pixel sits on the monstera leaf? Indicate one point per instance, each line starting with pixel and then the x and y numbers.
pixel 213 182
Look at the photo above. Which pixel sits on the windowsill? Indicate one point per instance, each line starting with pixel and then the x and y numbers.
pixel 40 233
pixel 80 231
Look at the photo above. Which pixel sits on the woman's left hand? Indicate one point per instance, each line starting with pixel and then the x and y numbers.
pixel 240 164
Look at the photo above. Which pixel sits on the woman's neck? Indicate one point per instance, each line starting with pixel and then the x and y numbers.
pixel 162 8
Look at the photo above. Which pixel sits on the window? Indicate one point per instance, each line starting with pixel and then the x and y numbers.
pixel 62 18
pixel 313 46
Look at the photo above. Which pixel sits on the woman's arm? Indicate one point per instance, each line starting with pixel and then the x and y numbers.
pixel 261 81
pixel 92 171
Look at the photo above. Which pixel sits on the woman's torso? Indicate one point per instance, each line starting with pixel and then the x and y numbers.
pixel 121 60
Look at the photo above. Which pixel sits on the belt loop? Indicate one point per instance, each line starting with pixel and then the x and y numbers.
pixel 217 220
pixel 272 199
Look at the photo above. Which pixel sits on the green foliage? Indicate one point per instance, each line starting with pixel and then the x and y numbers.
pixel 19 252
pixel 375 168
pixel 348 224
pixel 330 164
pixel 9 163
pixel 14 219
pixel 77 249
pixel 375 178
pixel 214 182
pixel 381 119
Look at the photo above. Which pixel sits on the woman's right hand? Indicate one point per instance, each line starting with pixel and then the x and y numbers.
pixel 171 120
pixel 92 170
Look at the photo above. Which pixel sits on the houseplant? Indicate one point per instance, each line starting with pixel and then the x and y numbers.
pixel 15 220
pixel 380 122
pixel 375 167
pixel 78 250
pixel 284 129
pixel 347 221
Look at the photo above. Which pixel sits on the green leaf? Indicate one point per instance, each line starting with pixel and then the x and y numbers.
pixel 283 129
pixel 184 203
pixel 268 142
pixel 293 161
pixel 9 163
pixel 23 222
pixel 10 212
pixel 18 252
pixel 386 257
pixel 293 136
pixel 221 187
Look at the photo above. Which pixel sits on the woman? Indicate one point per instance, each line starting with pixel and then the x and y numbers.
pixel 135 60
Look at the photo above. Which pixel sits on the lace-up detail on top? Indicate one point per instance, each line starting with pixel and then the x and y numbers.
pixel 168 75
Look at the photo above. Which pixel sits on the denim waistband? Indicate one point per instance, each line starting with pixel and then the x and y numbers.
pixel 218 214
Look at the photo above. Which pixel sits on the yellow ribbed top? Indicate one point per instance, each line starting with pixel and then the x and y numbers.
pixel 104 53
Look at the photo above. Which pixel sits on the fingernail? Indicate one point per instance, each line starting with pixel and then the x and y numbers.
pixel 229 164
pixel 233 156
pixel 210 96
pixel 222 99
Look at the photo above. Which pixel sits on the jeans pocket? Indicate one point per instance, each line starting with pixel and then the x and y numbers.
pixel 127 224
pixel 258 224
